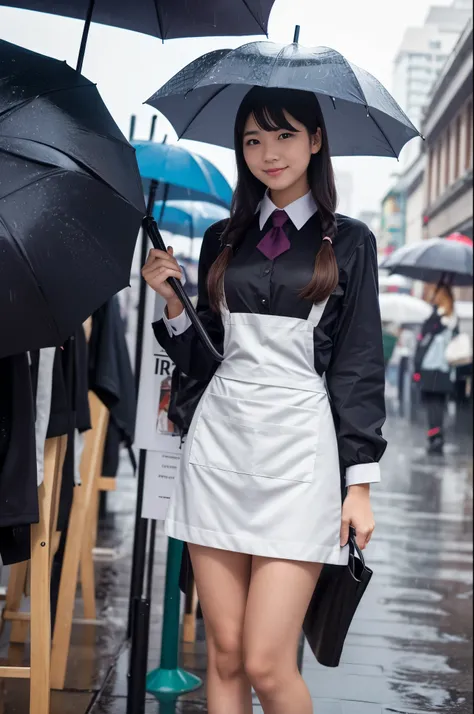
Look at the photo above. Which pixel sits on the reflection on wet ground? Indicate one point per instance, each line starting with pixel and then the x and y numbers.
pixel 409 650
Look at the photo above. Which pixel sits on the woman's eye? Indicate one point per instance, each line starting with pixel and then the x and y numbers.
pixel 285 135
pixel 252 142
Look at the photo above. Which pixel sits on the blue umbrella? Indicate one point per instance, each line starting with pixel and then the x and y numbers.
pixel 188 218
pixel 170 172
pixel 180 174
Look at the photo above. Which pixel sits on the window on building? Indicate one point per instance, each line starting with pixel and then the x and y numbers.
pixel 457 146
pixel 468 155
pixel 439 149
pixel 435 44
pixel 447 163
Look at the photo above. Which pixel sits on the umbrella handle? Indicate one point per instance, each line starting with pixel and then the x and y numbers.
pixel 150 226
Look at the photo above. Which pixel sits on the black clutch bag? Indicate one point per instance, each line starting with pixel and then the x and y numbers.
pixel 335 600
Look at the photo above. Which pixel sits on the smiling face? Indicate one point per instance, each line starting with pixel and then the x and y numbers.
pixel 280 158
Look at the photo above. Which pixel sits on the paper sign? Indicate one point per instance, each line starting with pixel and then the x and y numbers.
pixel 160 473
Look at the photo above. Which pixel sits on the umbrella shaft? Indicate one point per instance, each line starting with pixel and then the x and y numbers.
pixel 85 35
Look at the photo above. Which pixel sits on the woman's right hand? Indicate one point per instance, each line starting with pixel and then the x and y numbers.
pixel 158 268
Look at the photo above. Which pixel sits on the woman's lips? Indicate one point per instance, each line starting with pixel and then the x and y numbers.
pixel 275 172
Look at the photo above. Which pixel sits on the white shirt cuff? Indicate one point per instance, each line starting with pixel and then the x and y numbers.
pixel 362 473
pixel 177 325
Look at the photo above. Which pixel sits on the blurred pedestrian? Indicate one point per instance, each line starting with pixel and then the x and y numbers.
pixel 435 376
pixel 258 499
pixel 390 334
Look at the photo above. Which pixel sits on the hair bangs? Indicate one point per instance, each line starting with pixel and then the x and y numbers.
pixel 271 117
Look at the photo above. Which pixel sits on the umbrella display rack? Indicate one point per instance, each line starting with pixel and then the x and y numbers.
pixel 49 647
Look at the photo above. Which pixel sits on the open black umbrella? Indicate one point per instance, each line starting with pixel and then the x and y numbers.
pixel 165 19
pixel 71 201
pixel 362 118
pixel 436 260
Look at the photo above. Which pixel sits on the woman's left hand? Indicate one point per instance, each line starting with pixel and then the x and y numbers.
pixel 357 512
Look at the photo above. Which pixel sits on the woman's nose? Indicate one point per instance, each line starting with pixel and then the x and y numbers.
pixel 270 155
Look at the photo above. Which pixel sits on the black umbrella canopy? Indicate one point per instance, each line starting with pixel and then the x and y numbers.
pixel 165 19
pixel 71 201
pixel 362 118
pixel 435 260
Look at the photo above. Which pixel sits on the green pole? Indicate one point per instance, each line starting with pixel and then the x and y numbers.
pixel 169 681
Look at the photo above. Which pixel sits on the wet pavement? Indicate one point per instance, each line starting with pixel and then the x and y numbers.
pixel 409 650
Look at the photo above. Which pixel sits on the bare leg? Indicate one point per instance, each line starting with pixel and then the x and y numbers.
pixel 222 581
pixel 279 595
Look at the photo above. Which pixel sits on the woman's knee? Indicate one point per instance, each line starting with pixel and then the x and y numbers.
pixel 225 654
pixel 266 673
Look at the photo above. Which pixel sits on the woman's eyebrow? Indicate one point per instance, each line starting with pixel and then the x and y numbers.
pixel 251 132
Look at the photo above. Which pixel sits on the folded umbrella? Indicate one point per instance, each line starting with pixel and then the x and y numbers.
pixel 435 260
pixel 362 118
pixel 71 201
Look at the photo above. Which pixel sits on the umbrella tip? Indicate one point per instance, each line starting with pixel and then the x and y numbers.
pixel 296 36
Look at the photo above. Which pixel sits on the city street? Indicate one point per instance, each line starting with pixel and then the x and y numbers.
pixel 409 649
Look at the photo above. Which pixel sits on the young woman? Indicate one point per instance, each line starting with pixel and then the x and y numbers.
pixel 432 371
pixel 289 290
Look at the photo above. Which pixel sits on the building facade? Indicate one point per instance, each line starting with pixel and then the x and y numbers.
pixel 420 60
pixel 448 128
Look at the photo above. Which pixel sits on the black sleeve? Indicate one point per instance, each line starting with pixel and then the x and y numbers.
pixel 356 374
pixel 186 350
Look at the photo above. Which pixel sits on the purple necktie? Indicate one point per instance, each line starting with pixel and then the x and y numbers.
pixel 275 242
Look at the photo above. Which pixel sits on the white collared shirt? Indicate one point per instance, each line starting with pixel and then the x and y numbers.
pixel 299 212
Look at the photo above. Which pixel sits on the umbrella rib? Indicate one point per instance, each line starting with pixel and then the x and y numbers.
pixel 208 101
pixel 356 79
pixel 24 104
pixel 368 109
pixel 279 54
pixel 158 19
pixel 84 167
pixel 199 161
pixel 383 133
pixel 265 32
pixel 54 170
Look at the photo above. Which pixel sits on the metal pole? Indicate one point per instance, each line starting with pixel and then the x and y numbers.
pixel 85 36
pixel 131 133
pixel 169 681
pixel 140 535
pixel 296 36
pixel 153 127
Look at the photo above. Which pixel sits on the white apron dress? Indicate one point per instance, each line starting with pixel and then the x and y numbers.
pixel 260 469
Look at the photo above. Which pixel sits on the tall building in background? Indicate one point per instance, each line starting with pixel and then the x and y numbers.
pixel 420 59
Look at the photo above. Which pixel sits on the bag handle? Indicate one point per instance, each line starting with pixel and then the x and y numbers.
pixel 353 549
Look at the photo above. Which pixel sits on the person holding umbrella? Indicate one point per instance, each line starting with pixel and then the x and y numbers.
pixel 435 376
pixel 293 288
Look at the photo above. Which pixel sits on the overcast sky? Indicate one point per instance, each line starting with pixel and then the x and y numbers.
pixel 129 67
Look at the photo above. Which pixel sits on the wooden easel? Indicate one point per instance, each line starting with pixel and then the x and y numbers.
pixel 40 573
pixel 81 538
pixel 189 618
pixel 79 543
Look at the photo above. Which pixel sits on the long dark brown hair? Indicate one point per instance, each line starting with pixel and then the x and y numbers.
pixel 268 107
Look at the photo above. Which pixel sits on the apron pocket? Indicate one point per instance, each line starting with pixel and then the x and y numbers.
pixel 258 448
